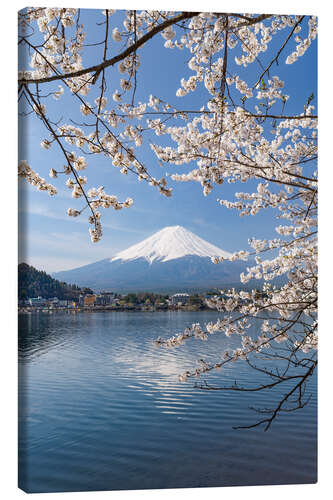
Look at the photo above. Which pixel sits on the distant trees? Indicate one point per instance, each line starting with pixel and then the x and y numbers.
pixel 144 297
pixel 34 283
pixel 195 300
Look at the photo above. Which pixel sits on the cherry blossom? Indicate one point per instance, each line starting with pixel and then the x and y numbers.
pixel 241 132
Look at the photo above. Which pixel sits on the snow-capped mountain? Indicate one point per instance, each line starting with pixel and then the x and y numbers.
pixel 172 242
pixel 171 259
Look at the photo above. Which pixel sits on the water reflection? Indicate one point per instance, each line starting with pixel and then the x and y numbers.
pixel 102 408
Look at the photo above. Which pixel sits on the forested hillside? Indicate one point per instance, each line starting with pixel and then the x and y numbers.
pixel 34 283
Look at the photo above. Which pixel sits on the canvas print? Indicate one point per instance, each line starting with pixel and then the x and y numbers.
pixel 167 249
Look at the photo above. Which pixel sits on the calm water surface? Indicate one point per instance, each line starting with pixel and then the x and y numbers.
pixel 102 409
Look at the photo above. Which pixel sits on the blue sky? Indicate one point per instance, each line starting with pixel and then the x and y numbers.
pixel 52 241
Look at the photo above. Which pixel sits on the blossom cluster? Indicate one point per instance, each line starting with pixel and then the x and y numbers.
pixel 26 172
pixel 58 52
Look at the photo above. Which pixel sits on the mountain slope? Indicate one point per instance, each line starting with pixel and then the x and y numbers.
pixel 171 259
pixel 172 242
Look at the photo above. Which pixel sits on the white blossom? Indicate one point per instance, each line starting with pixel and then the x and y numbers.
pixel 116 35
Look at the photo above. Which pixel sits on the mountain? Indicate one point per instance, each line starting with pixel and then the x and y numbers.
pixel 173 242
pixel 34 283
pixel 171 259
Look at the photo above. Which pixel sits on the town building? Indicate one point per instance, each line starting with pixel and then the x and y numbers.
pixel 89 300
pixel 102 300
pixel 37 301
pixel 180 299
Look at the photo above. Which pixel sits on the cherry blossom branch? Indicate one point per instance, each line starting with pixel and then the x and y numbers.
pixel 97 68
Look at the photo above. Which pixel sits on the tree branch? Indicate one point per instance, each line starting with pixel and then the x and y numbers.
pixel 111 62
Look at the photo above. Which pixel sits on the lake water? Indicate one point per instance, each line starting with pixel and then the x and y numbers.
pixel 101 408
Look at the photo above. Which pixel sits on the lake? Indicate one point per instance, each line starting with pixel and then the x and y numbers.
pixel 101 408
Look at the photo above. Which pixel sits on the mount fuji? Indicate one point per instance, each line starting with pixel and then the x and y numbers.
pixel 171 259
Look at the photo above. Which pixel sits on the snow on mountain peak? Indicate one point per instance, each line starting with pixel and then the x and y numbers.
pixel 172 242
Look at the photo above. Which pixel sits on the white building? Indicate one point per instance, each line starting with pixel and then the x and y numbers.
pixel 37 301
pixel 179 299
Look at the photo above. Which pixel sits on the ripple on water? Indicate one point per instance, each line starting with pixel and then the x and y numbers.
pixel 101 408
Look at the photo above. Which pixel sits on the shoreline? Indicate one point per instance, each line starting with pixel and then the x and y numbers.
pixel 120 309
